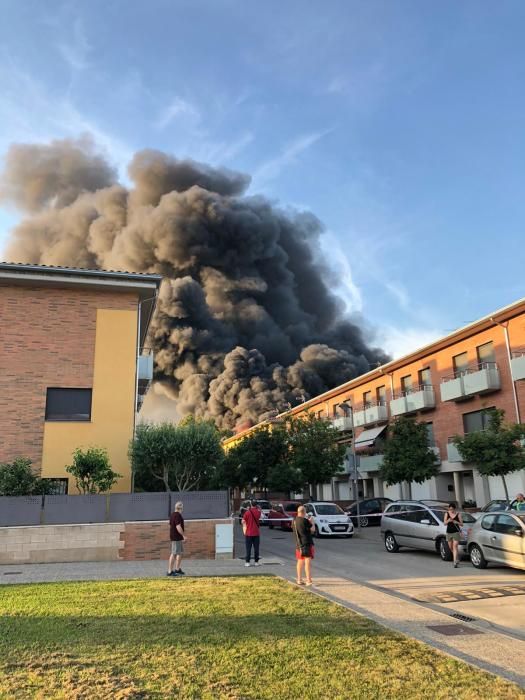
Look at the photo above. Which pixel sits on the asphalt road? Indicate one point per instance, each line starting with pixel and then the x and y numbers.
pixel 496 594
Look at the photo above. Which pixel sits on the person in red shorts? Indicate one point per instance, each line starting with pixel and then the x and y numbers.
pixel 303 528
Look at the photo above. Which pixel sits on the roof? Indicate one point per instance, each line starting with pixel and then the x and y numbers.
pixel 144 285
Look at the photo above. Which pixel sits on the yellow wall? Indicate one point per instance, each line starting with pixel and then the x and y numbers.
pixel 112 410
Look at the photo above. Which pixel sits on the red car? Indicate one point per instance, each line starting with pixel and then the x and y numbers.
pixel 282 514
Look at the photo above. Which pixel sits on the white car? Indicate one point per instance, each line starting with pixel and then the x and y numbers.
pixel 329 519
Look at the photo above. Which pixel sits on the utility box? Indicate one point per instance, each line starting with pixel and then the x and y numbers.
pixel 224 541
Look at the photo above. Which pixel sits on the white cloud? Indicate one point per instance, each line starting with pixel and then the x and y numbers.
pixel 270 169
pixel 342 279
pixel 177 108
pixel 76 52
pixel 399 342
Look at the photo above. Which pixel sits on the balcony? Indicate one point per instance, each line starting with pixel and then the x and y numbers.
pixel 479 379
pixel 370 463
pixel 517 364
pixel 370 414
pixel 453 452
pixel 145 367
pixel 420 398
pixel 342 422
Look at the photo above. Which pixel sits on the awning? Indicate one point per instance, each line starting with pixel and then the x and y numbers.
pixel 368 437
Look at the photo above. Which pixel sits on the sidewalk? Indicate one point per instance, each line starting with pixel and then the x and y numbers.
pixel 474 642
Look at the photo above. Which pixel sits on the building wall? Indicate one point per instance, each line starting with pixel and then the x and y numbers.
pixel 106 542
pixel 54 337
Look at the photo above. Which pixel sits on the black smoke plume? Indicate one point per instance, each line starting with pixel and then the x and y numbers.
pixel 246 322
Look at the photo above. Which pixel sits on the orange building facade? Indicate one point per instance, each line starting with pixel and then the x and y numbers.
pixel 446 385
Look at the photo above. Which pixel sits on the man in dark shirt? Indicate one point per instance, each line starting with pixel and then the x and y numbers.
pixel 177 537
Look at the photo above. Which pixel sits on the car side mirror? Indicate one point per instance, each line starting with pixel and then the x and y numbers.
pixel 518 531
pixel 425 522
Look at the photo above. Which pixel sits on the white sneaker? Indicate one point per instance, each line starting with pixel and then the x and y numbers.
pixel 247 563
pixel 257 563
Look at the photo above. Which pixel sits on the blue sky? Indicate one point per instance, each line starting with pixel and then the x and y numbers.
pixel 399 123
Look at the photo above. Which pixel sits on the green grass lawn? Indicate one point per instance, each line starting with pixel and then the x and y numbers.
pixel 256 637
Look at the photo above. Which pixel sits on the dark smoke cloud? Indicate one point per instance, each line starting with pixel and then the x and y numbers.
pixel 246 322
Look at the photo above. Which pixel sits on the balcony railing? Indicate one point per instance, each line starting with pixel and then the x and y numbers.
pixel 370 413
pixel 517 364
pixel 453 452
pixel 477 379
pixel 418 398
pixel 342 422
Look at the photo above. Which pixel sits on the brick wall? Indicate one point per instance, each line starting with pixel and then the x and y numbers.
pixel 151 540
pixel 48 339
pixel 104 542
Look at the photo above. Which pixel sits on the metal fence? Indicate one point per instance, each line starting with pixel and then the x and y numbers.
pixel 110 508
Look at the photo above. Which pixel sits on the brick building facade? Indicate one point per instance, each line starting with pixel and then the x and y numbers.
pixel 70 335
pixel 446 385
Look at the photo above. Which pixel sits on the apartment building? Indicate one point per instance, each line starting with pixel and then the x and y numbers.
pixel 73 367
pixel 446 385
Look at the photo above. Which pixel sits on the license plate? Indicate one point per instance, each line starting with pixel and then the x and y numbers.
pixel 339 527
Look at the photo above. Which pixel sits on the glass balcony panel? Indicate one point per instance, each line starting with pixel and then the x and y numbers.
pixel 517 365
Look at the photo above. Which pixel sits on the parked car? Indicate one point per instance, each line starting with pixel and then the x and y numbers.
pixel 497 505
pixel 329 519
pixel 283 514
pixel 498 537
pixel 420 525
pixel 264 506
pixel 370 511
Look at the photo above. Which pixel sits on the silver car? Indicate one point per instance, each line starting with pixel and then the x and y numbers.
pixel 500 538
pixel 419 525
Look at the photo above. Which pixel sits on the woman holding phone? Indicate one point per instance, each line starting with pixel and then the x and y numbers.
pixel 454 523
pixel 303 528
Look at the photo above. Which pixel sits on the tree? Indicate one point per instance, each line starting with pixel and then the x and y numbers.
pixel 407 456
pixel 18 479
pixel 314 450
pixel 183 457
pixel 496 451
pixel 92 470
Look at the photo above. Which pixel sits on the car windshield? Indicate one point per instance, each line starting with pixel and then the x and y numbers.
pixel 440 514
pixel 328 509
pixel 264 504
pixel 291 507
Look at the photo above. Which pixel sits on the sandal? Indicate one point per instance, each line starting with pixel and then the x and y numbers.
pixel 300 583
pixel 309 583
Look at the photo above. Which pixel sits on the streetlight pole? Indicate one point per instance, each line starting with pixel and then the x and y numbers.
pixel 347 407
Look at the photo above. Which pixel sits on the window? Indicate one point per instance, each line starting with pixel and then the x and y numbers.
pixel 506 525
pixel 367 399
pixel 406 384
pixel 486 353
pixel 68 404
pixel 430 434
pixel 460 363
pixel 381 395
pixel 334 409
pixel 488 522
pixel 475 421
pixel 424 377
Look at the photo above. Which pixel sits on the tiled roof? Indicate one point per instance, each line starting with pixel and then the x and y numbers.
pixel 29 267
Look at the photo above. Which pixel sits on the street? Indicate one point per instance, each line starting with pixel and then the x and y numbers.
pixel 496 594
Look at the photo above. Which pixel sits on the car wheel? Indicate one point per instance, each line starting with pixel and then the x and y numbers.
pixel 444 550
pixel 391 544
pixel 363 521
pixel 477 558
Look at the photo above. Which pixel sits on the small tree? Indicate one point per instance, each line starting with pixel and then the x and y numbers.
pixel 407 456
pixel 315 452
pixel 182 457
pixel 496 451
pixel 92 470
pixel 18 479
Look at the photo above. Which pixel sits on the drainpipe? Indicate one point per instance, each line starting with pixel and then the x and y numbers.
pixel 505 327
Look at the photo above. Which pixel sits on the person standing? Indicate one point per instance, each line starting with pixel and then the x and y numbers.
pixel 454 523
pixel 519 503
pixel 252 533
pixel 303 528
pixel 177 538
